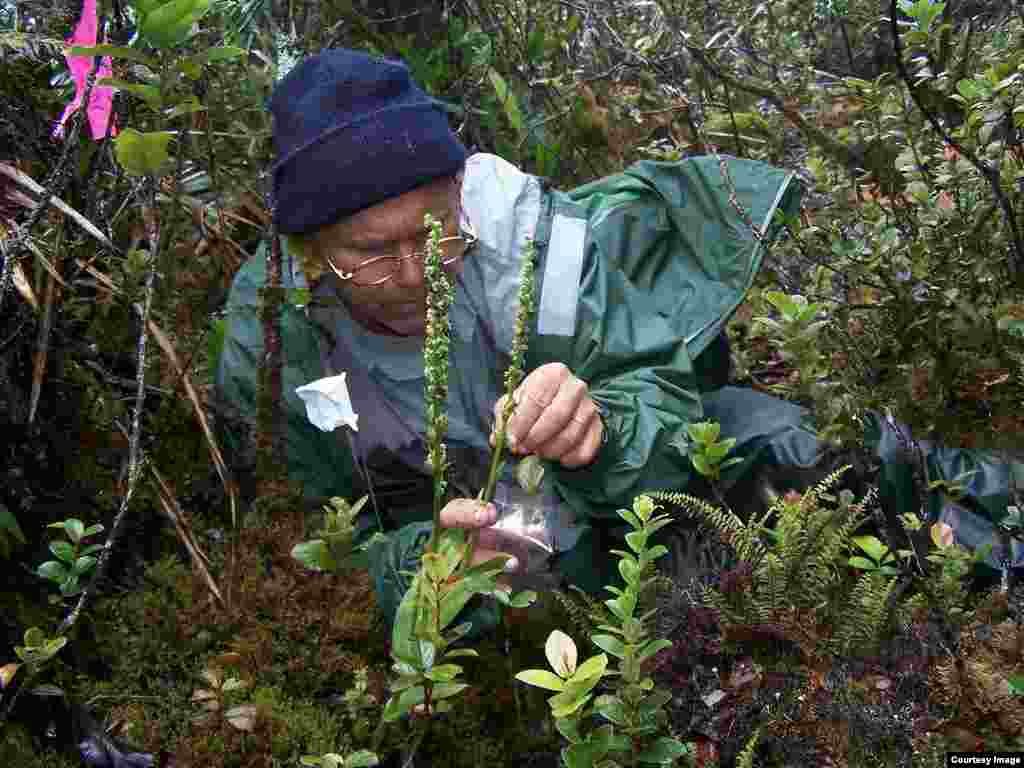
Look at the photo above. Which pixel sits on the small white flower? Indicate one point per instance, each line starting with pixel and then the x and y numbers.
pixel 328 405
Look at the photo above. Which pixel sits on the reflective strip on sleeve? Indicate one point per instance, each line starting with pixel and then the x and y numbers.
pixel 561 287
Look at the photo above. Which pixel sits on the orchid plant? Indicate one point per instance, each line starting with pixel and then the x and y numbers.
pixel 423 635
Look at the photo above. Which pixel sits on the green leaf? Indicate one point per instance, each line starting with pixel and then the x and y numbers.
pixel 364 758
pixel 63 550
pixel 629 571
pixel 115 52
pixel 171 23
pixel 443 673
pixel 10 524
pixel 460 652
pixel 569 728
pixel 579 755
pixel 701 464
pixel 92 530
pixel 610 644
pixel 75 529
pixel 508 101
pixel 664 750
pixel 652 648
pixel 871 545
pixel 623 606
pixel 612 708
pixel 1016 684
pixel 541 678
pixel 315 555
pixel 141 154
pixel 148 93
pixel 523 599
pixel 658 550
pixel 592 667
pixel 564 704
pixel 637 541
pixel 447 690
pixel 53 571
pixel 403 703
pixel 70 585
pixel 84 564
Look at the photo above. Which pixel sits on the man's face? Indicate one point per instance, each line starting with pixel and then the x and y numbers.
pixel 393 228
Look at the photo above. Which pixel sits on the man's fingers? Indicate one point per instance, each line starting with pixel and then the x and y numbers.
pixel 570 403
pixel 468 513
pixel 586 451
pixel 573 434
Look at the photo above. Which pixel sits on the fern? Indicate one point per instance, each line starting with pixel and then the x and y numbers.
pixel 799 584
pixel 745 759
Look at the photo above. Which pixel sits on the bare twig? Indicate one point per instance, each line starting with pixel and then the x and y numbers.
pixel 152 225
pixel 174 511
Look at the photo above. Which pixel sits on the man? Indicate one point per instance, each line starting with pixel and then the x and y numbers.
pixel 637 275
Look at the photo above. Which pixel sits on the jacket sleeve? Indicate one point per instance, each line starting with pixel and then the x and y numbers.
pixel 662 263
pixel 318 461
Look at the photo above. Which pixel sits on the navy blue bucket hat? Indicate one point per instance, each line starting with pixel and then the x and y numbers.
pixel 351 131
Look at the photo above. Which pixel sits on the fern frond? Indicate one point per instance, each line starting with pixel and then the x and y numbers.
pixel 744 538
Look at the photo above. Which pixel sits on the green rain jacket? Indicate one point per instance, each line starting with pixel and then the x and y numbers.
pixel 637 275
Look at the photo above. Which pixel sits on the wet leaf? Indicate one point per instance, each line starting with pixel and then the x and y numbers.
pixel 560 651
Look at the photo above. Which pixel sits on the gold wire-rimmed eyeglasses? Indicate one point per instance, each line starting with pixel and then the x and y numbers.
pixel 396 261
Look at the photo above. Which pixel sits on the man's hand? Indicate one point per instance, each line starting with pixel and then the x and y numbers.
pixel 554 418
pixel 472 514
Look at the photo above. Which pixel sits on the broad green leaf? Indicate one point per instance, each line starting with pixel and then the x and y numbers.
pixel 612 708
pixel 508 101
pixel 53 571
pixel 592 667
pixel 701 464
pixel 171 23
pixel 148 93
pixel 92 530
pixel 214 55
pixel 569 728
pixel 623 606
pixel 637 541
pixel 70 585
pixel 629 571
pixel 63 550
pixel 141 154
pixel 871 545
pixel 115 52
pixel 75 529
pixel 84 564
pixel 610 644
pixel 447 690
pixel 1016 685
pixel 460 652
pixel 364 758
pixel 523 599
pixel 443 673
pixel 403 703
pixel 314 554
pixel 564 704
pixel 664 750
pixel 541 678
pixel 652 648
pixel 658 550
